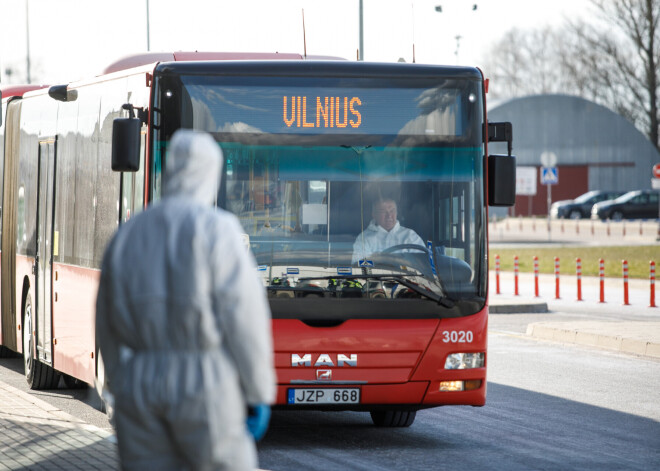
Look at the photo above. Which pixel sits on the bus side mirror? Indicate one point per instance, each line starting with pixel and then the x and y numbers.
pixel 126 142
pixel 501 168
pixel 501 180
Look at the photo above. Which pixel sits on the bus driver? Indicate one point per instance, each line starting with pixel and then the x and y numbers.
pixel 384 231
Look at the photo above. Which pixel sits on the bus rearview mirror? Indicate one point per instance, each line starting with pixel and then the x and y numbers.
pixel 501 180
pixel 126 143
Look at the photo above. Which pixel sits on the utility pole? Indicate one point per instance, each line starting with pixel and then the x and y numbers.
pixel 148 39
pixel 27 29
pixel 458 45
pixel 458 37
pixel 361 56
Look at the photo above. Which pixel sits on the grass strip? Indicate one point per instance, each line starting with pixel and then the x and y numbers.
pixel 638 258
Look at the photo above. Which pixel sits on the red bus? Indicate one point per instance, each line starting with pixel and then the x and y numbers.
pixel 311 147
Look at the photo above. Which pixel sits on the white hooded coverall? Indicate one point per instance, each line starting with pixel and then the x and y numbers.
pixel 376 239
pixel 183 324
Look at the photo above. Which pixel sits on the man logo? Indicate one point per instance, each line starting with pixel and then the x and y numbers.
pixel 323 360
pixel 324 375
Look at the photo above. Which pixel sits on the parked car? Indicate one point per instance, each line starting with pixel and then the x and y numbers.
pixel 580 207
pixel 639 204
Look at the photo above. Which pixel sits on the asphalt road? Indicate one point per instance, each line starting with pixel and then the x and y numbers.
pixel 550 406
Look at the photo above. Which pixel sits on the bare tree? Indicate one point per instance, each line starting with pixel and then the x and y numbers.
pixel 611 59
pixel 619 55
pixel 525 62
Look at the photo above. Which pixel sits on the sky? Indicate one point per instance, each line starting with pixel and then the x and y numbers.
pixel 74 39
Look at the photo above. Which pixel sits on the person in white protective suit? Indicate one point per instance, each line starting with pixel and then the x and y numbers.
pixel 383 232
pixel 184 327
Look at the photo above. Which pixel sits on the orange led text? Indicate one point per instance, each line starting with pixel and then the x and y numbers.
pixel 327 112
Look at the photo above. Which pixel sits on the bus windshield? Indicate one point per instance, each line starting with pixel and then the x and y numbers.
pixel 348 187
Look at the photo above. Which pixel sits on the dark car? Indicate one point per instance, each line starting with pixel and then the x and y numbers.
pixel 581 206
pixel 640 204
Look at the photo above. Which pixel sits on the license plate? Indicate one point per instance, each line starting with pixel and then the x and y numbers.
pixel 323 396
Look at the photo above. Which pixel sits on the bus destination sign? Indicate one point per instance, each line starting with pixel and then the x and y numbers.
pixel 271 109
pixel 322 112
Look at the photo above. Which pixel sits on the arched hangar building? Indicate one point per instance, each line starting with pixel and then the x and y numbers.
pixel 595 148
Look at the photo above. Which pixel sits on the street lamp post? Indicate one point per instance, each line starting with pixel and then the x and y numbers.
pixel 148 38
pixel 458 37
pixel 458 45
pixel 361 53
pixel 27 33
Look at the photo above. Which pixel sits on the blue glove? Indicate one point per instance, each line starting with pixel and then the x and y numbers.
pixel 258 417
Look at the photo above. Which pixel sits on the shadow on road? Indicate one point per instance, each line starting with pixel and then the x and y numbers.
pixel 81 392
pixel 517 429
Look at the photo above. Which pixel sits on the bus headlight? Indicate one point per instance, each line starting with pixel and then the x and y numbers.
pixel 453 386
pixel 464 361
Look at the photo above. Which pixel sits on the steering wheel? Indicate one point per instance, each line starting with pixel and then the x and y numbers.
pixel 396 248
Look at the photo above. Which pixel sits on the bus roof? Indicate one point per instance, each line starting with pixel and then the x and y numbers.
pixel 19 90
pixel 323 69
pixel 136 60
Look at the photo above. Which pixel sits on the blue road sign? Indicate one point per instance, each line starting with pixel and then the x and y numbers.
pixel 549 176
pixel 366 263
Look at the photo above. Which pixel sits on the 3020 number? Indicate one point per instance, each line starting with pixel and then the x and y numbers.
pixel 457 336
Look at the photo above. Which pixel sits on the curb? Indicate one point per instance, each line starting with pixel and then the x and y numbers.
pixel 634 339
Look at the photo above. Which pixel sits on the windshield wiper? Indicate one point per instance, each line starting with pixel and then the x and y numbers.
pixel 432 295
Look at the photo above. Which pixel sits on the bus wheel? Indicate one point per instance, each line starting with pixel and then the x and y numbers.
pixel 38 375
pixel 393 418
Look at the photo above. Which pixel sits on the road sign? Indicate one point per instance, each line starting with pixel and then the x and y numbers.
pixel 548 159
pixel 656 170
pixel 526 181
pixel 549 175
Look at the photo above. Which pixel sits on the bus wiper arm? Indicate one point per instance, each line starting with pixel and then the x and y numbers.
pixel 442 300
pixel 432 295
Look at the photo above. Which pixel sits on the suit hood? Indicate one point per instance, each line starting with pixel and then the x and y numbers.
pixel 193 166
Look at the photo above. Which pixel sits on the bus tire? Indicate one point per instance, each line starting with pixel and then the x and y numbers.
pixel 37 374
pixel 393 418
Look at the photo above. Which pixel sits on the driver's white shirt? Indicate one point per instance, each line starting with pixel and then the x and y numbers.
pixel 376 239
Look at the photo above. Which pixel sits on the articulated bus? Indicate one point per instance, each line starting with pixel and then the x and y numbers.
pixel 309 146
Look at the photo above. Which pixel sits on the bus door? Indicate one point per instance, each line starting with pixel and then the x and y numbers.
pixel 44 259
pixel 9 227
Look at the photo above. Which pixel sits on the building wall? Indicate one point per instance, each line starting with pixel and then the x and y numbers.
pixel 596 148
pixel 572 182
